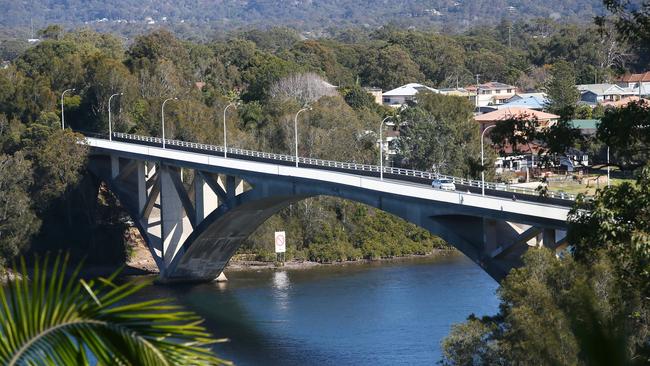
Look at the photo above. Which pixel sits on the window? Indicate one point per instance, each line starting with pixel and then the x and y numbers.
pixel 386 100
pixel 509 91
pixel 498 91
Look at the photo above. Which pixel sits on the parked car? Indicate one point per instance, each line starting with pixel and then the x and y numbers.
pixel 444 184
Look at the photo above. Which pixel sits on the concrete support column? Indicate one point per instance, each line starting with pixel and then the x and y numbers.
pixel 176 226
pixel 205 200
pixel 231 187
pixel 142 185
pixel 546 238
pixel 239 186
pixel 115 166
pixel 490 235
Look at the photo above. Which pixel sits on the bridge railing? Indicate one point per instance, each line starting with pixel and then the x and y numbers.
pixel 346 166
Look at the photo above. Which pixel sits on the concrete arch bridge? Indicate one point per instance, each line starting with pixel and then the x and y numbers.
pixel 192 230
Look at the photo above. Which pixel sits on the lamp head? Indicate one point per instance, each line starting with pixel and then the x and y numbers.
pixel 121 94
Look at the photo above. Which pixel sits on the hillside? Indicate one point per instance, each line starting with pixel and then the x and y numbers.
pixel 306 15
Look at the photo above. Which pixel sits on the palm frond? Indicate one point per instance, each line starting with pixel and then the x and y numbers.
pixel 57 319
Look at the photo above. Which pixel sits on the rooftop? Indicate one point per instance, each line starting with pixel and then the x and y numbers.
pixel 531 102
pixel 635 78
pixel 584 124
pixel 409 90
pixel 514 112
pixel 602 89
pixel 623 102
pixel 492 85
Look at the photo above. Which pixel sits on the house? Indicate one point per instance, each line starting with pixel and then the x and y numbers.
pixel 488 119
pixel 587 127
pixel 457 92
pixel 405 93
pixel 537 95
pixel 598 93
pixel 636 81
pixel 376 93
pixel 623 102
pixel 536 101
pixel 492 93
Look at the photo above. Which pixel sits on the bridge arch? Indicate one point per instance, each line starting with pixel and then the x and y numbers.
pixel 193 232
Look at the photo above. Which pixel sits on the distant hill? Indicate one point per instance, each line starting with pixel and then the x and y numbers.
pixel 305 15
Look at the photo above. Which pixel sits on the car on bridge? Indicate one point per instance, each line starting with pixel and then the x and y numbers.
pixel 444 184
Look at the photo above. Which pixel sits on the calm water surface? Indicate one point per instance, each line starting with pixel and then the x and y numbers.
pixel 360 314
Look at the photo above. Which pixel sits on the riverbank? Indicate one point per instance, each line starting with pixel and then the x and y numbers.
pixel 246 265
pixel 141 263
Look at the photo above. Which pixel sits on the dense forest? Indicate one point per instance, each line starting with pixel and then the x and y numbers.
pixel 317 17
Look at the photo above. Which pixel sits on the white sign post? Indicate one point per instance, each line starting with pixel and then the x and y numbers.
pixel 280 244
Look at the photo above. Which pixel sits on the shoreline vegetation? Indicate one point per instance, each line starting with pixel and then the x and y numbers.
pixel 141 263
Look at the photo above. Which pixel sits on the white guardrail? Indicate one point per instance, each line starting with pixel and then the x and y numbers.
pixel 347 166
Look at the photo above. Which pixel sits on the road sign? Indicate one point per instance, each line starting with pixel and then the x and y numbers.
pixel 280 242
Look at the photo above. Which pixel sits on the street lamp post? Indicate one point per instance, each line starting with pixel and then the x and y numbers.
pixel 162 113
pixel 225 148
pixel 482 161
pixel 62 115
pixel 295 131
pixel 607 166
pixel 110 126
pixel 381 149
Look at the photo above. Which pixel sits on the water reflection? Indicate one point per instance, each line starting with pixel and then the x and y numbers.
pixel 281 286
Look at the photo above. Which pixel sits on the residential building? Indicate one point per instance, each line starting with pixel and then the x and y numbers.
pixel 598 93
pixel 488 119
pixel 490 94
pixel 536 101
pixel 623 102
pixel 587 127
pixel 405 93
pixel 633 80
pixel 636 81
pixel 458 92
pixel 376 94
pixel 537 95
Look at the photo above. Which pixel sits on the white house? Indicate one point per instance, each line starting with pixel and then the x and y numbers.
pixel 490 94
pixel 405 93
pixel 636 81
pixel 597 93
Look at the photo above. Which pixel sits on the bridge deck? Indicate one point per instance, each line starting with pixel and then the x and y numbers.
pixel 551 210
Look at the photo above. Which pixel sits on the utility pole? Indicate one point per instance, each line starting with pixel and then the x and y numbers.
pixel 509 35
pixel 477 83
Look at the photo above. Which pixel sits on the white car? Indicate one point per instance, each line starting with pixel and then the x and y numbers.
pixel 444 184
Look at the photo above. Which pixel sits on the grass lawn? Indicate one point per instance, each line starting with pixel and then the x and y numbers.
pixel 574 187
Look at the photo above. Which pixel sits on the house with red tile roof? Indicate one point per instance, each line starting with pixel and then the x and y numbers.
pixel 638 83
pixel 488 119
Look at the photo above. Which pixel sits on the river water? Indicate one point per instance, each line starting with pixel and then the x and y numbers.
pixel 383 313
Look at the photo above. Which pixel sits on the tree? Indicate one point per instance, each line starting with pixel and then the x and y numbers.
pixel 562 92
pixel 390 67
pixel 626 131
pixel 515 132
pixel 55 319
pixel 632 21
pixel 358 98
pixel 557 312
pixel 616 220
pixel 304 88
pixel 18 222
pixel 440 134
pixel 59 158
